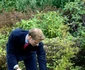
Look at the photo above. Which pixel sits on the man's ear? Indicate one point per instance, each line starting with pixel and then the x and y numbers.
pixel 29 37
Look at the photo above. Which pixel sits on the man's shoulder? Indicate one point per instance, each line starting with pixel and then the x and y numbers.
pixel 18 32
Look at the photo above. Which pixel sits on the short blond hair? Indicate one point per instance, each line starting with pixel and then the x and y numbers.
pixel 36 34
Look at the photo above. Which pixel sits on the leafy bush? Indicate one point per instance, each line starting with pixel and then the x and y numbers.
pixel 22 5
pixel 75 12
pixel 58 54
pixel 2 52
pixel 4 32
pixel 59 51
pixel 2 59
pixel 52 24
pixel 9 5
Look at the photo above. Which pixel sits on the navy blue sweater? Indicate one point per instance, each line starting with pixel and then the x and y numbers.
pixel 15 49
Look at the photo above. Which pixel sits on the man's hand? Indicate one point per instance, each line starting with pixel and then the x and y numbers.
pixel 18 68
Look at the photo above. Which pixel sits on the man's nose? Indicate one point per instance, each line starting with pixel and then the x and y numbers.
pixel 37 44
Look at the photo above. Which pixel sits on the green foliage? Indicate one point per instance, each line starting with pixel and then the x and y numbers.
pixel 44 3
pixel 6 5
pixel 22 5
pixel 9 5
pixel 81 35
pixel 4 33
pixel 2 59
pixel 2 52
pixel 59 51
pixel 61 3
pixel 74 11
pixel 32 3
pixel 2 39
pixel 52 24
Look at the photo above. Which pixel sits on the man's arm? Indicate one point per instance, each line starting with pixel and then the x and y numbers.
pixel 11 57
pixel 41 57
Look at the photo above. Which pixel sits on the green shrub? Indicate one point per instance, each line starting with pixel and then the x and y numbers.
pixel 52 24
pixel 2 52
pixel 4 33
pixel 59 52
pixel 74 11
pixel 75 18
pixel 22 5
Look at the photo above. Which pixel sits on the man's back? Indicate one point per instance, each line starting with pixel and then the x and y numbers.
pixel 16 52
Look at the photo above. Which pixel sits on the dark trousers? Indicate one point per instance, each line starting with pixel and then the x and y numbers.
pixel 30 63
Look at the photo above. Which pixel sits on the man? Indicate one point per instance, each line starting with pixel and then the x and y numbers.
pixel 24 45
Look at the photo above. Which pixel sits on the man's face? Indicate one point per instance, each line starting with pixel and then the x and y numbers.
pixel 33 42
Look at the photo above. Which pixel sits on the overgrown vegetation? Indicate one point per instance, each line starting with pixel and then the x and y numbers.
pixel 75 12
pixel 58 48
pixel 24 5
pixel 58 54
pixel 49 22
pixel 64 31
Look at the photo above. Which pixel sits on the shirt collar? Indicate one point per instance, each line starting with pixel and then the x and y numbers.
pixel 26 40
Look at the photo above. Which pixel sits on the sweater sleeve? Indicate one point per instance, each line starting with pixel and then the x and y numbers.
pixel 41 57
pixel 11 57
